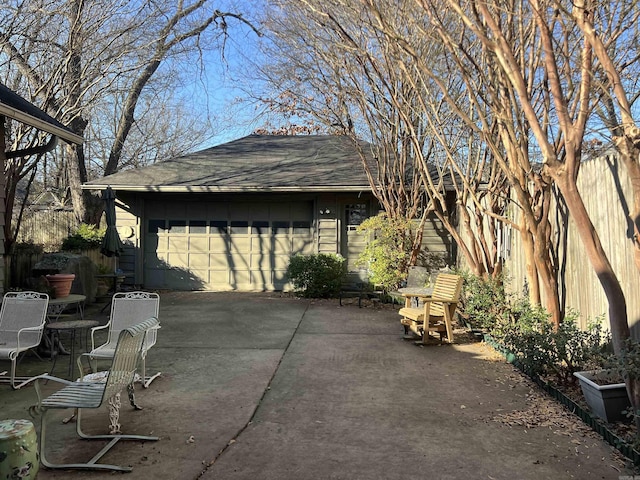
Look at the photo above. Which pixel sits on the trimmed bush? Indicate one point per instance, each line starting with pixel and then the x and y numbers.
pixel 317 276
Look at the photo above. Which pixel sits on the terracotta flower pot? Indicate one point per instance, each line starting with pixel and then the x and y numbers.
pixel 61 283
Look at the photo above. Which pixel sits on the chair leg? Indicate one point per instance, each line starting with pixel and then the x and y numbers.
pixel 11 378
pixel 447 322
pixel 91 464
pixel 146 381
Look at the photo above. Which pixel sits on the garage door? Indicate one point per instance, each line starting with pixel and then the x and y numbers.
pixel 224 246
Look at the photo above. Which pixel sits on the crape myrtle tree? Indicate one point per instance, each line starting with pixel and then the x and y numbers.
pixel 558 111
pixel 491 110
pixel 343 73
pixel 109 70
pixel 612 31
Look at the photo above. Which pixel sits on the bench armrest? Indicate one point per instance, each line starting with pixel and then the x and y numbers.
pixel 440 300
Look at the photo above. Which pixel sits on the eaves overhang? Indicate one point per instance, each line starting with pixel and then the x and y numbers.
pixel 216 189
pixel 20 116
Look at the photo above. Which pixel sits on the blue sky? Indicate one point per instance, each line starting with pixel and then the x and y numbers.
pixel 221 92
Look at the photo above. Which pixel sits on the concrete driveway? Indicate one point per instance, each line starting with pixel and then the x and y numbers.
pixel 259 386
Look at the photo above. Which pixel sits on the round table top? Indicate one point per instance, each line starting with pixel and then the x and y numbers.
pixel 72 298
pixel 417 290
pixel 72 324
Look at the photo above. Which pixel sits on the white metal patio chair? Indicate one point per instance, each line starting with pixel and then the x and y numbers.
pixel 89 394
pixel 22 319
pixel 127 308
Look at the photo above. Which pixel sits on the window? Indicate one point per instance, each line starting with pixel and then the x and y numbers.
pixel 177 226
pixel 197 226
pixel 260 227
pixel 280 228
pixel 219 226
pixel 156 226
pixel 239 228
pixel 355 213
pixel 301 228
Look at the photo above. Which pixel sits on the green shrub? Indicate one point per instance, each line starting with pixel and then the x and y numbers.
pixel 387 254
pixel 484 301
pixel 85 237
pixel 527 332
pixel 27 248
pixel 317 276
pixel 545 350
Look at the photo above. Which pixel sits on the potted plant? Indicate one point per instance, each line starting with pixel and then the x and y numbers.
pixel 103 283
pixel 605 393
pixel 61 283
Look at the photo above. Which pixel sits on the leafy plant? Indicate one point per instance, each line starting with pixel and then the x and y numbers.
pixel 85 237
pixel 27 248
pixel 317 276
pixel 387 254
pixel 484 301
pixel 545 350
pixel 526 331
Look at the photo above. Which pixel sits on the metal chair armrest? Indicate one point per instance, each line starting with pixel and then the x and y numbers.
pixel 28 329
pixel 94 330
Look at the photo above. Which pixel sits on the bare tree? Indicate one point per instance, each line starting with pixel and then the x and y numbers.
pixel 557 109
pixel 611 30
pixel 79 58
pixel 347 76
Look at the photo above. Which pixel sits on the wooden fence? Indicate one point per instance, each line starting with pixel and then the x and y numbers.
pixel 47 227
pixel 607 193
pixel 19 267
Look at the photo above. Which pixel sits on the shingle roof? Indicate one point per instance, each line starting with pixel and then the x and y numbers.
pixel 254 163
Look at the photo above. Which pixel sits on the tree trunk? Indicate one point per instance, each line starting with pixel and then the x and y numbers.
pixel 608 280
pixel 629 155
pixel 530 261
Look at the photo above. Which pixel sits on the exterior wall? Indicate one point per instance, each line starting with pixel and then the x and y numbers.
pixel 128 218
pixel 331 234
pixel 328 226
pixel 3 205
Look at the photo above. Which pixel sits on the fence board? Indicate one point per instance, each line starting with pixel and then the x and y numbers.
pixel 47 227
pixel 607 194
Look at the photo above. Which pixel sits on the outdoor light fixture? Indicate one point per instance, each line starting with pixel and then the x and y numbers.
pixel 326 211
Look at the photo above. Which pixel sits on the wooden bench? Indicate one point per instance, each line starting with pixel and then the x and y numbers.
pixel 433 313
pixel 81 395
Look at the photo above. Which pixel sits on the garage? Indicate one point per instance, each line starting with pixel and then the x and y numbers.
pixel 229 217
pixel 223 245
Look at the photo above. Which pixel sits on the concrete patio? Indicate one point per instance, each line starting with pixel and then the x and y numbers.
pixel 263 386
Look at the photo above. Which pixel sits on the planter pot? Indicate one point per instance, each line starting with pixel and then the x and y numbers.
pixel 607 400
pixel 61 283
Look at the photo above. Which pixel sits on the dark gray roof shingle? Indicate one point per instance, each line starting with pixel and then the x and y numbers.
pixel 254 163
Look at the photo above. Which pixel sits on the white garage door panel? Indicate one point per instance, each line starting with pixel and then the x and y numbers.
pixel 303 246
pixel 198 243
pixel 218 244
pixel 199 260
pixel 269 262
pixel 178 243
pixel 178 259
pixel 241 246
